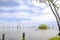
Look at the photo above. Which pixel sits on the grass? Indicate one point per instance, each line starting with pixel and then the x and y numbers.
pixel 55 38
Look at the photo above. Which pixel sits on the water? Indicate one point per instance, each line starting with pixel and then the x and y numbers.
pixel 29 34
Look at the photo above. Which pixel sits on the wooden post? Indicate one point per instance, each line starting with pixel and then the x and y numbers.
pixel 3 36
pixel 23 36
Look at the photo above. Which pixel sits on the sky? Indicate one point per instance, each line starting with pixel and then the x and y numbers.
pixel 25 13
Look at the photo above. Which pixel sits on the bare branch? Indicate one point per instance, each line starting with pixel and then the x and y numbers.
pixel 41 1
pixel 54 14
pixel 56 1
pixel 46 3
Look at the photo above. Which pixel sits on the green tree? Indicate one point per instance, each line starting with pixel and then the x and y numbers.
pixel 43 26
pixel 55 38
pixel 54 8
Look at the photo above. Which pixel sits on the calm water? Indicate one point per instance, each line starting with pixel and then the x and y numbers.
pixel 30 34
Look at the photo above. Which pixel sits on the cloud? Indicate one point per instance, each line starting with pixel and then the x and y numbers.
pixel 22 8
pixel 25 13
pixel 36 3
pixel 21 15
pixel 44 18
pixel 6 8
pixel 14 15
pixel 47 10
pixel 8 3
pixel 5 15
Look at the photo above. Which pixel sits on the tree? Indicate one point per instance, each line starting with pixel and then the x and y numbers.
pixel 54 8
pixel 43 26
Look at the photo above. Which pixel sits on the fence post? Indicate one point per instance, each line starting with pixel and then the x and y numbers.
pixel 3 36
pixel 23 36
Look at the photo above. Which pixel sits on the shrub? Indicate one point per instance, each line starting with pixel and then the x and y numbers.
pixel 43 26
pixel 55 38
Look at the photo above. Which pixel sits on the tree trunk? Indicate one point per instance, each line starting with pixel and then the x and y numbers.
pixel 58 18
pixel 55 14
pixel 59 31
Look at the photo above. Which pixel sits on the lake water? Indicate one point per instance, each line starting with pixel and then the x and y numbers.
pixel 29 34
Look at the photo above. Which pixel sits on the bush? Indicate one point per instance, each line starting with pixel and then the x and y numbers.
pixel 43 26
pixel 55 38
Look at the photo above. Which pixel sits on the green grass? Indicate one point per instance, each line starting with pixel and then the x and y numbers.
pixel 55 38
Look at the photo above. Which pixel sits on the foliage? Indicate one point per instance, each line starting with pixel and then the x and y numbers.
pixel 43 26
pixel 55 38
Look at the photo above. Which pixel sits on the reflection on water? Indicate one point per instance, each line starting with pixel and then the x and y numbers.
pixel 29 34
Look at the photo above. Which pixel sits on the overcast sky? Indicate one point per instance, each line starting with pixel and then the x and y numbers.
pixel 24 12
